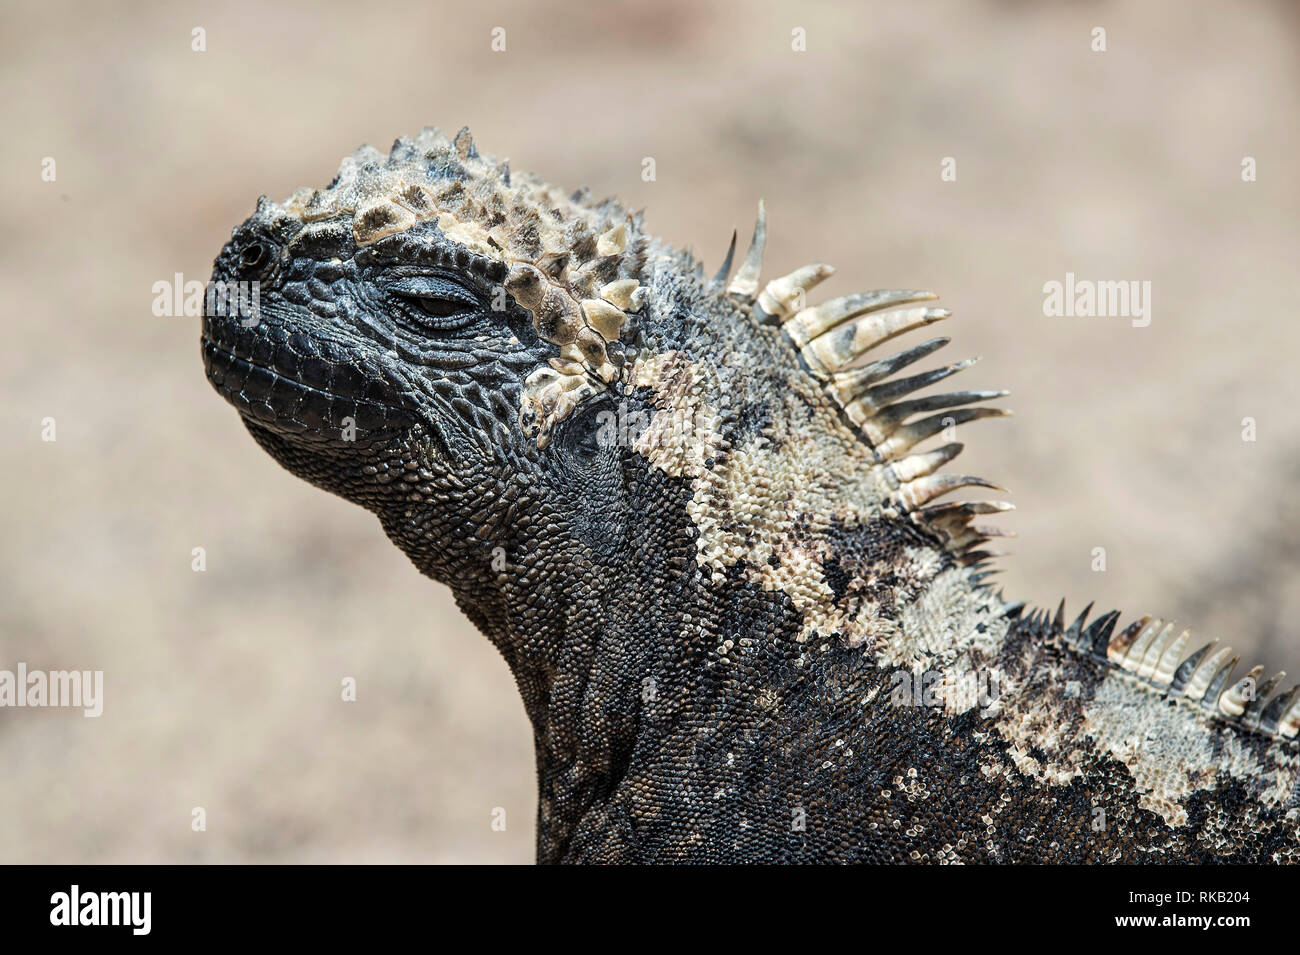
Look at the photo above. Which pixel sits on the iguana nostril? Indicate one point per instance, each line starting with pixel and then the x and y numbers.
pixel 252 257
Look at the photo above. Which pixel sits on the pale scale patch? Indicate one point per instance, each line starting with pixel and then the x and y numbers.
pixel 776 495
pixel 1169 749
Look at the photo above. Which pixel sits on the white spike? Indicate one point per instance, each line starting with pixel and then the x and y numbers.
pixel 841 347
pixel 1128 655
pixel 745 282
pixel 1146 665
pixel 913 466
pixel 916 493
pixel 619 292
pixel 904 438
pixel 820 319
pixel 605 318
pixel 1169 660
pixel 1200 681
pixel 1232 701
pixel 612 242
pixel 781 296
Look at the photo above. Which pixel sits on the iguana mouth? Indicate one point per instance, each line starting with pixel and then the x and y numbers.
pixel 284 403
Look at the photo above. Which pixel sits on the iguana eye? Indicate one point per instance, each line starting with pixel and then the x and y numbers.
pixel 437 303
pixel 439 307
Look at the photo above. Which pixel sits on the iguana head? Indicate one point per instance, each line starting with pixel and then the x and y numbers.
pixel 422 328
pixel 461 350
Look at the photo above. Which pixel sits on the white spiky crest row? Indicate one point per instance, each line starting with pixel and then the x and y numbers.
pixel 1154 651
pixel 832 339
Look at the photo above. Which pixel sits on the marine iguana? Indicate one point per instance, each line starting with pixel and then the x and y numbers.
pixel 694 519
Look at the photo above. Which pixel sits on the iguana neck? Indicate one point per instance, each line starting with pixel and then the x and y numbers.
pixel 621 658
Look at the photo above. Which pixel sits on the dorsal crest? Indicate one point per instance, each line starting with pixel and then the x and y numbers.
pixel 833 341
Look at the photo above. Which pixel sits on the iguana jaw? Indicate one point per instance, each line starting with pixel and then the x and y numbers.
pixel 315 408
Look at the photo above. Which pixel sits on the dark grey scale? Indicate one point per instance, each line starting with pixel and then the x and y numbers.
pixel 442 166
pixel 583 245
pixel 331 273
pixel 882 394
pixel 464 144
pixel 1075 631
pixel 489 268
pixel 883 368
pixel 904 409
pixel 604 269
pixel 636 253
pixel 275 333
pixel 262 351
pixel 724 271
pixel 371 416
pixel 553 264
pixel 319 290
pixel 1097 637
pixel 296 293
pixel 529 237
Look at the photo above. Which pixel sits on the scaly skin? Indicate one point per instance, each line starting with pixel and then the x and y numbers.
pixel 707 548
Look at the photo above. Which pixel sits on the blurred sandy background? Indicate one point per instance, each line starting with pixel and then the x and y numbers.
pixel 222 688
